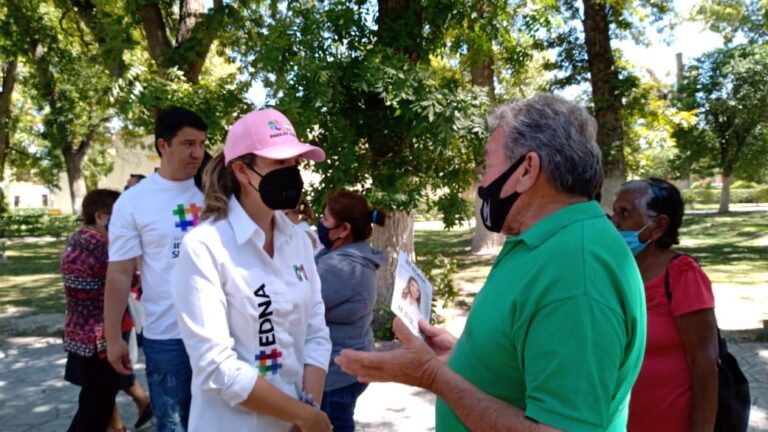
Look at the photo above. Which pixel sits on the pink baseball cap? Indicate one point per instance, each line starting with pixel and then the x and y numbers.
pixel 267 133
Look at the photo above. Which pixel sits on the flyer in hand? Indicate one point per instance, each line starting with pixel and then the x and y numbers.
pixel 412 296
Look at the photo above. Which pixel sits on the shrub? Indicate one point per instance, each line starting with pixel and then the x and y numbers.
pixel 35 223
pixel 702 184
pixel 738 196
pixel 741 184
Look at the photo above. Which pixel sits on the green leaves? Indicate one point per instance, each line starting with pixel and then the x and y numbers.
pixel 728 88
pixel 396 121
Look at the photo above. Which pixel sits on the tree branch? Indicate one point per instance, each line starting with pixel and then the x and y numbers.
pixel 86 13
pixel 157 35
pixel 197 31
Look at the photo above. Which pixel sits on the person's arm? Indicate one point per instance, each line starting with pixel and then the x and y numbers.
pixel 124 248
pixel 416 364
pixel 479 411
pixel 314 382
pixel 269 400
pixel 118 286
pixel 698 331
pixel 317 345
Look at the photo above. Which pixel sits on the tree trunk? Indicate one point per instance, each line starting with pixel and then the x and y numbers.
pixel 482 72
pixel 484 242
pixel 608 105
pixel 190 13
pixel 158 43
pixel 73 161
pixel 395 235
pixel 725 193
pixel 612 181
pixel 9 82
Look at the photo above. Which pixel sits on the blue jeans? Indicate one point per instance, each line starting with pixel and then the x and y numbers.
pixel 169 376
pixel 339 404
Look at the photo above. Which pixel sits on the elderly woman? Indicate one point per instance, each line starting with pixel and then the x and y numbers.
pixel 84 271
pixel 677 386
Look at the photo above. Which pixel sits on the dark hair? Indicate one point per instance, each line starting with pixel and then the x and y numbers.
pixel 97 200
pixel 207 157
pixel 171 120
pixel 138 177
pixel 666 200
pixel 352 208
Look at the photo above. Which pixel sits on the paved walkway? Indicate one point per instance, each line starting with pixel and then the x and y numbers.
pixel 35 398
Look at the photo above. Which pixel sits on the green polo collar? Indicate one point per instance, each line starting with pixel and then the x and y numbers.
pixel 542 230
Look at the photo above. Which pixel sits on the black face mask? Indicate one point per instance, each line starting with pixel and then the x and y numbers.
pixel 495 208
pixel 280 188
pixel 324 235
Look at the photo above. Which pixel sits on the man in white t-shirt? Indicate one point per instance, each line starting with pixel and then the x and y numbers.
pixel 149 221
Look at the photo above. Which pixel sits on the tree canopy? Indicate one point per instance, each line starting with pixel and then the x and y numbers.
pixel 728 88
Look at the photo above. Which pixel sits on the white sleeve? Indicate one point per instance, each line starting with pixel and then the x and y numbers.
pixel 317 346
pixel 201 308
pixel 124 236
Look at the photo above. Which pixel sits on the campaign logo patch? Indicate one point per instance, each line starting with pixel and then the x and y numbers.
pixel 299 270
pixel 187 217
pixel 274 126
pixel 269 362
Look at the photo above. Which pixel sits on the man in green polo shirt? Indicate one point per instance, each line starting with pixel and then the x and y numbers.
pixel 555 338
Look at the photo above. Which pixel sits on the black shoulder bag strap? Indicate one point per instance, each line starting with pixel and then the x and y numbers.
pixel 668 291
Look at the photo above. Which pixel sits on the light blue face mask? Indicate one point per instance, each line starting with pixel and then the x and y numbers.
pixel 633 240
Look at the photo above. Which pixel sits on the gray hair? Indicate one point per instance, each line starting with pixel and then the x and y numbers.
pixel 645 196
pixel 561 132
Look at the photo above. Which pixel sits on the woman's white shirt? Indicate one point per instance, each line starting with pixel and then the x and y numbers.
pixel 244 316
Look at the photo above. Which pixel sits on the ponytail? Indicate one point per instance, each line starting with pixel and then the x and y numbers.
pixel 220 183
pixel 378 217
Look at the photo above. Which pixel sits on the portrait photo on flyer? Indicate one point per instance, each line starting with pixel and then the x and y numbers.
pixel 412 295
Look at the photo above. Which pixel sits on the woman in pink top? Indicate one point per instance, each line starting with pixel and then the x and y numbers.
pixel 677 386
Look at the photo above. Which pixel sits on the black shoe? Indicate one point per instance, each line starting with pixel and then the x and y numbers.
pixel 145 416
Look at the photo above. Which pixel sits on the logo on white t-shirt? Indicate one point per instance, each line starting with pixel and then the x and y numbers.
pixel 188 218
pixel 184 223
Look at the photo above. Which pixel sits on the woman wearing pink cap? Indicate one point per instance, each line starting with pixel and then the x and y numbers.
pixel 247 292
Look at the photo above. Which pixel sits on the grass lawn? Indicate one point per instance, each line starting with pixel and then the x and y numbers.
pixel 733 250
pixel 31 278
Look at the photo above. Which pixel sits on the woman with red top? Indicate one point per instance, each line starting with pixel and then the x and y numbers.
pixel 83 270
pixel 677 386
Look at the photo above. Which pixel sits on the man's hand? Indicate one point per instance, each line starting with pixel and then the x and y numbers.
pixel 116 292
pixel 117 354
pixel 313 421
pixel 413 364
pixel 439 339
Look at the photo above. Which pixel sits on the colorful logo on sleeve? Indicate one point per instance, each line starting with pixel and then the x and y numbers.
pixel 299 270
pixel 269 362
pixel 188 217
